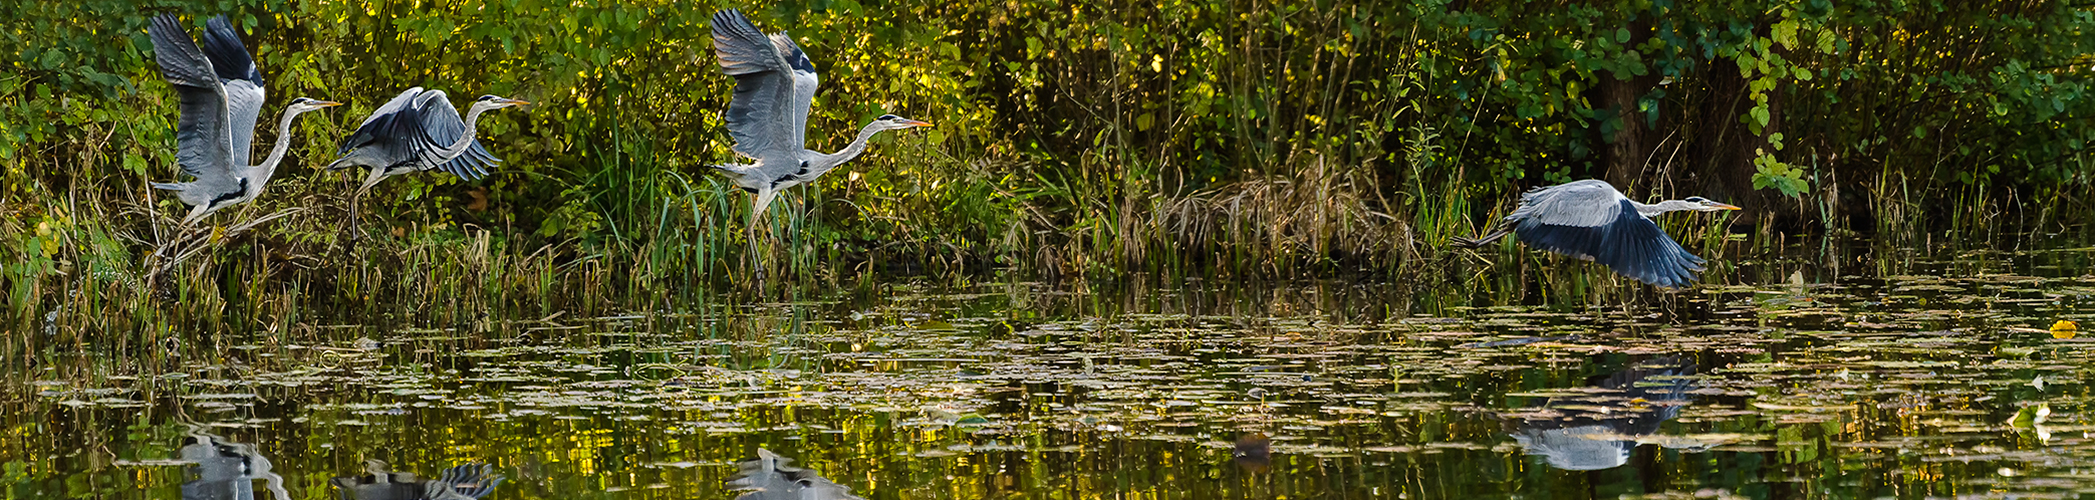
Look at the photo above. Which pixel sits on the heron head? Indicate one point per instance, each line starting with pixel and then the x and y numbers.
pixel 1705 205
pixel 494 101
pixel 892 122
pixel 303 104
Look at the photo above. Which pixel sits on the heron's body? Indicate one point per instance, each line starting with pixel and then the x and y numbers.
pixel 774 90
pixel 419 131
pixel 221 98
pixel 1591 220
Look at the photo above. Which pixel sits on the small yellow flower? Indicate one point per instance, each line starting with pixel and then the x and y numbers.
pixel 2064 329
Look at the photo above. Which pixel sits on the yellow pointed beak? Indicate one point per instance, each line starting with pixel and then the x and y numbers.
pixel 916 123
pixel 1725 206
pixel 325 104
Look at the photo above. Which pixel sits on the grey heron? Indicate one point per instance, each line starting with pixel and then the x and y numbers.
pixel 774 88
pixel 464 482
pixel 418 131
pixel 1591 220
pixel 224 470
pixel 221 97
pixel 1598 426
pixel 769 478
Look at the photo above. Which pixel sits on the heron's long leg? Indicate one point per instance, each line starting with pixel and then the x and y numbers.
pixel 756 213
pixel 756 210
pixel 195 214
pixel 356 224
pixel 1486 239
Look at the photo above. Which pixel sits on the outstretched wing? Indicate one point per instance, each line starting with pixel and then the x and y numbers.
pixel 203 137
pixel 242 82
pixel 375 131
pixel 440 127
pixel 1625 241
pixel 762 115
pixel 804 84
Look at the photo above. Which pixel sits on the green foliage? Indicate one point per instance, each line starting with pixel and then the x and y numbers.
pixel 1072 135
pixel 1782 177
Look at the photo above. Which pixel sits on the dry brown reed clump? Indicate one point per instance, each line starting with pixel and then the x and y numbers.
pixel 1316 219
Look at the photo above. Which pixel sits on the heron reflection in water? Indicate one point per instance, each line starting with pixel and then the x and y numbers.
pixel 769 478
pixel 464 482
pixel 223 470
pixel 1597 430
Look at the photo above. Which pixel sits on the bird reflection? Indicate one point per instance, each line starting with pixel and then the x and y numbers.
pixel 224 470
pixel 1253 452
pixel 464 482
pixel 769 478
pixel 1598 429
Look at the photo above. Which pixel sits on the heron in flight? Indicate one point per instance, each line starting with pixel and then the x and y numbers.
pixel 774 88
pixel 417 131
pixel 1590 220
pixel 221 97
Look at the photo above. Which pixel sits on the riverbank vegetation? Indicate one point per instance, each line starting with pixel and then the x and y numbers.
pixel 1074 138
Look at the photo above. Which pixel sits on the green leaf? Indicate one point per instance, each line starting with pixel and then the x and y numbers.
pixel 1785 33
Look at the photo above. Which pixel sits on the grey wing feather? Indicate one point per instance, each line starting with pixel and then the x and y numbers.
pixel 242 82
pixel 373 145
pixel 1586 203
pixel 760 115
pixel 390 108
pixel 202 137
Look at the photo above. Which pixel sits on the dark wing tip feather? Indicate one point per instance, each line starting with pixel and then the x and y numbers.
pixel 229 58
pixel 796 58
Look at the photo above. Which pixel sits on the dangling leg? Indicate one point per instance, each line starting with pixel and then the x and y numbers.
pixel 356 224
pixel 1486 239
pixel 183 233
pixel 756 214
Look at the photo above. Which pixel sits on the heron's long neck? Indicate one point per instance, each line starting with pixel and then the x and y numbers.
pixel 465 140
pixel 1662 207
pixel 267 168
pixel 857 147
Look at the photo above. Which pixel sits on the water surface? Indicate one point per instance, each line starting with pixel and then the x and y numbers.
pixel 1835 371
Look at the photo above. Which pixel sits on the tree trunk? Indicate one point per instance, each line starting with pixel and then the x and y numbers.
pixel 1718 159
pixel 1629 146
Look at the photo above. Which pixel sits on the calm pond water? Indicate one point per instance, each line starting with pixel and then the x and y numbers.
pixel 1821 371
